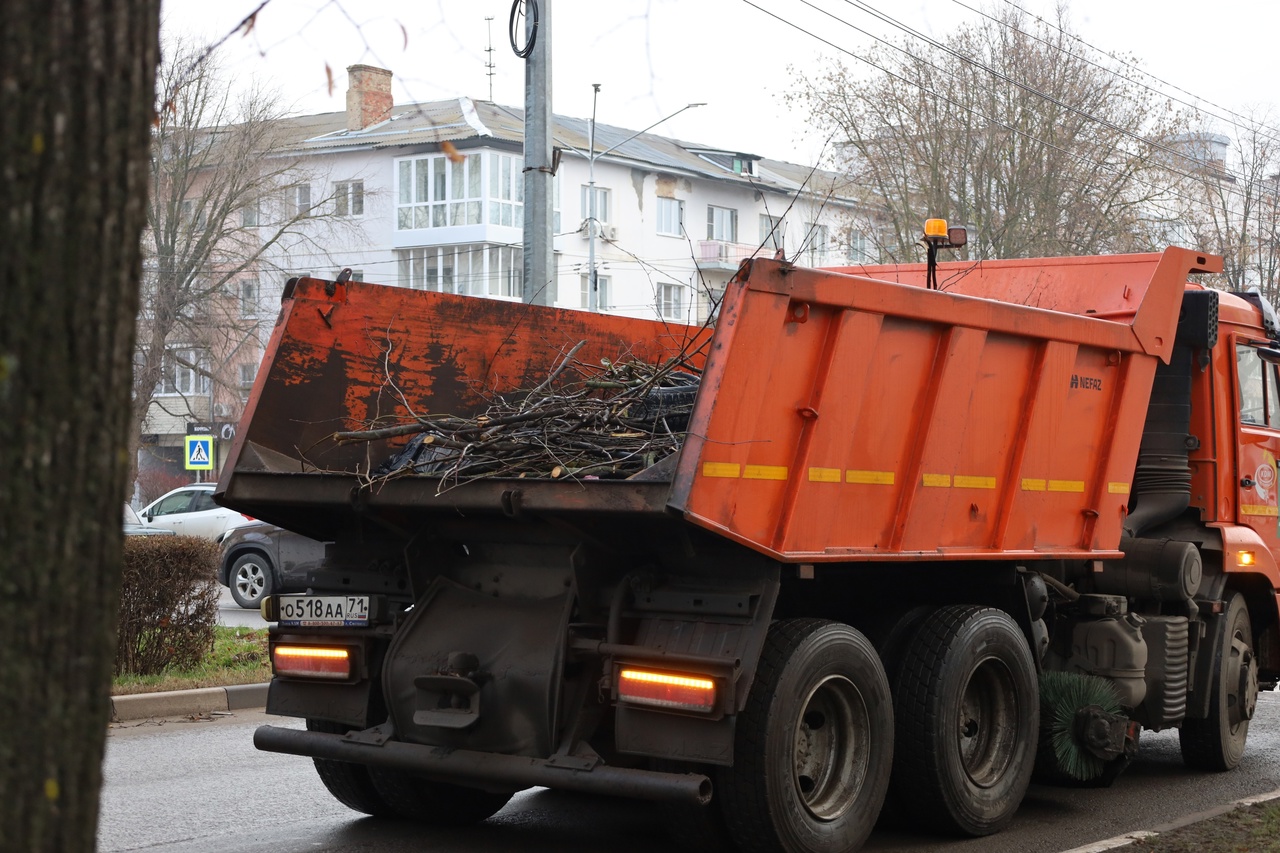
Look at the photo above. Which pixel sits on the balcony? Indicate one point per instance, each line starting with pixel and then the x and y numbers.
pixel 720 255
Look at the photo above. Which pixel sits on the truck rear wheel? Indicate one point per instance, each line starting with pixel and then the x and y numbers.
pixel 966 713
pixel 814 746
pixel 348 783
pixel 1217 741
pixel 435 803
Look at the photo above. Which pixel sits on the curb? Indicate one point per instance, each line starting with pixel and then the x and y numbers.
pixel 185 703
pixel 1130 837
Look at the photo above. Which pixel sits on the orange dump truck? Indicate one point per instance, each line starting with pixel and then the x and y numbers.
pixel 882 545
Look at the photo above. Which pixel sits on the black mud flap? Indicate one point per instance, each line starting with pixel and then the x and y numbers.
pixel 477 672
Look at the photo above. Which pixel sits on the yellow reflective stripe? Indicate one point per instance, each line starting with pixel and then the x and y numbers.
pixel 1066 485
pixel 962 481
pixel 1032 484
pixel 721 469
pixel 765 472
pixel 1254 509
pixel 1118 488
pixel 869 478
pixel 824 475
pixel 939 481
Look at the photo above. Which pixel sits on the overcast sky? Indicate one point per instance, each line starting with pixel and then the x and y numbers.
pixel 652 57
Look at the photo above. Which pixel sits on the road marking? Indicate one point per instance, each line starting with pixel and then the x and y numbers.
pixel 1130 837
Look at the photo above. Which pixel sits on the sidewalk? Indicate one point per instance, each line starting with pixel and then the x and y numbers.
pixel 184 703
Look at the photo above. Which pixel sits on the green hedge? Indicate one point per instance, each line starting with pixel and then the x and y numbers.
pixel 168 603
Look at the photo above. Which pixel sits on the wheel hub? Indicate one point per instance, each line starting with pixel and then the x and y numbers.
pixel 988 723
pixel 832 749
pixel 1243 701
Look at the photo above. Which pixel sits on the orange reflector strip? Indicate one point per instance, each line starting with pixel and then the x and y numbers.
pixel 667 690
pixel 312 661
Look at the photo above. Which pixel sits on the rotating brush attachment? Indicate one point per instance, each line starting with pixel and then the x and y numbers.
pixel 1082 729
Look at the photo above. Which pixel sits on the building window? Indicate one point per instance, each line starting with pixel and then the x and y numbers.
pixel 860 248
pixel 506 190
pixel 672 303
pixel 248 374
pixel 184 372
pixel 671 217
pixel 249 297
pixel 251 214
pixel 722 224
pixel 817 244
pixel 472 269
pixel 436 192
pixel 302 200
pixel 504 271
pixel 602 204
pixel 348 198
pixel 603 290
pixel 772 232
pixel 192 213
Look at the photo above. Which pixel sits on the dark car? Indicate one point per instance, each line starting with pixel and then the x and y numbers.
pixel 259 559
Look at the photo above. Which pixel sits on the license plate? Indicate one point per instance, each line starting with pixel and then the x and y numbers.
pixel 321 611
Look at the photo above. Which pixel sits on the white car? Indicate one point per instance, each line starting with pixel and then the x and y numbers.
pixel 190 511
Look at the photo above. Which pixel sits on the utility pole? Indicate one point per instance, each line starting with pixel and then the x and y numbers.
pixel 593 288
pixel 593 227
pixel 539 262
pixel 488 65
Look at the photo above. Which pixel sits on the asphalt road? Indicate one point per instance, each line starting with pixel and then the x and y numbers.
pixel 235 616
pixel 194 787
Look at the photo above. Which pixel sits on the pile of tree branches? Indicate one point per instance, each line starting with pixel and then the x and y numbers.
pixel 609 421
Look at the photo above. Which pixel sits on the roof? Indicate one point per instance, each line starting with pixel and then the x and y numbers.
pixel 466 123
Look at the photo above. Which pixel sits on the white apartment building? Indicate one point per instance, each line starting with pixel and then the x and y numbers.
pixel 431 197
pixel 674 219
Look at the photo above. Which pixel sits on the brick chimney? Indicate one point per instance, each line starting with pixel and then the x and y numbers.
pixel 368 96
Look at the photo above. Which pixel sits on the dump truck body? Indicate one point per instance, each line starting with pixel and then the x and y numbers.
pixel 879 496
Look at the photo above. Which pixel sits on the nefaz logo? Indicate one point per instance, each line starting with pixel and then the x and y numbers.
pixel 1088 383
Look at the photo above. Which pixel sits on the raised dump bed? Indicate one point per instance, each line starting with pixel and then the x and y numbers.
pixel 841 415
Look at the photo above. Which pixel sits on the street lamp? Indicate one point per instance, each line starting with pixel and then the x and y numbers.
pixel 593 291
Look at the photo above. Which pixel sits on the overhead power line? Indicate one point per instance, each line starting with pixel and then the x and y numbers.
pixel 1235 120
pixel 1169 192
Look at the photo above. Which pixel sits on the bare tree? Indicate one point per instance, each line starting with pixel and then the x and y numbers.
pixel 1010 127
pixel 1232 202
pixel 228 194
pixel 78 102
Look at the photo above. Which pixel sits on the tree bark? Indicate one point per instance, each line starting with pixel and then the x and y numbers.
pixel 77 84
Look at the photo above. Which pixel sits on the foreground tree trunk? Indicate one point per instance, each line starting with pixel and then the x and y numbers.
pixel 77 81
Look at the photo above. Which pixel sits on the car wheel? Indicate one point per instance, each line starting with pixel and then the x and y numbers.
pixel 251 580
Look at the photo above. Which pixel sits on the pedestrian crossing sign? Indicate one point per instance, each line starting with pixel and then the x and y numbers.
pixel 199 453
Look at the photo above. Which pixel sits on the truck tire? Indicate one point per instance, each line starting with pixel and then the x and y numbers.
pixel 813 748
pixel 1216 743
pixel 967 718
pixel 348 783
pixel 251 579
pixel 892 646
pixel 435 803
